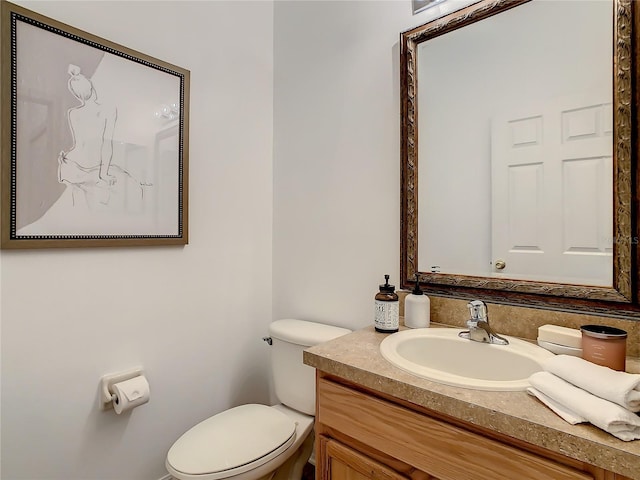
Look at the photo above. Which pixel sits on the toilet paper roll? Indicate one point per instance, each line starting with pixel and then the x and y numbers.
pixel 130 394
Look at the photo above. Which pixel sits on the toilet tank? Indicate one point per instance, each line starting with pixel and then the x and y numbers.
pixel 293 381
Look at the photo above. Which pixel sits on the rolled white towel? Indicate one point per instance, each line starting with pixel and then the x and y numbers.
pixel 618 387
pixel 575 405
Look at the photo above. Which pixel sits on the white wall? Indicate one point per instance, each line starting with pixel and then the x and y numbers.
pixel 336 156
pixel 193 317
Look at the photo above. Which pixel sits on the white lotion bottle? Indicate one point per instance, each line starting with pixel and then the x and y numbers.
pixel 417 308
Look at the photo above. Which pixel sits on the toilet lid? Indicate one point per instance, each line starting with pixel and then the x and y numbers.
pixel 233 442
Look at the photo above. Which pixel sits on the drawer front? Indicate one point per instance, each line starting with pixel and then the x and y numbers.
pixel 438 448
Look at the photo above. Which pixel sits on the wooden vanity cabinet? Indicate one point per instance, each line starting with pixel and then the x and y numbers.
pixel 361 435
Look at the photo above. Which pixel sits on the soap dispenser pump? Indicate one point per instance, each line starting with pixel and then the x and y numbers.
pixel 417 308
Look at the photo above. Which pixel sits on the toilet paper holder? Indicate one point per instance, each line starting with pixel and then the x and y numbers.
pixel 106 393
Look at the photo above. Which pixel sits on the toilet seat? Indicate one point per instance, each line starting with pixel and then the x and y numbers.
pixel 232 442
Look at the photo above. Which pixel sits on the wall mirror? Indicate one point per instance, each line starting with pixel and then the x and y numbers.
pixel 519 154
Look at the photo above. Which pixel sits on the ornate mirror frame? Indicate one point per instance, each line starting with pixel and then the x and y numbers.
pixel 622 297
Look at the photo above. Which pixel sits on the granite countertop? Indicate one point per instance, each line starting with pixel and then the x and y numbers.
pixel 356 357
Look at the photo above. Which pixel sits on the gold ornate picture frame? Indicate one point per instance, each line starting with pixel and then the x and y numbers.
pixel 622 297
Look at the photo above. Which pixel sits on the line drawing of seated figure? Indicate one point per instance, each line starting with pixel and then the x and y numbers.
pixel 87 166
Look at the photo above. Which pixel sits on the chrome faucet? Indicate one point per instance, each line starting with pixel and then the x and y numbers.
pixel 479 329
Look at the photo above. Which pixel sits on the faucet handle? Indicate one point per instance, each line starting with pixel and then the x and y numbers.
pixel 478 311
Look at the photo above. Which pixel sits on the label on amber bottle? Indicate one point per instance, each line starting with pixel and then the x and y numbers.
pixel 386 316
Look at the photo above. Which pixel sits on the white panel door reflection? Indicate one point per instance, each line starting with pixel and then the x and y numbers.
pixel 552 192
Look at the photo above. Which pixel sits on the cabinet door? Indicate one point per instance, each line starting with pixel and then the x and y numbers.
pixel 430 445
pixel 340 462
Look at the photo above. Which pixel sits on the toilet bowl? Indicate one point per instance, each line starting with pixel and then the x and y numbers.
pixel 229 445
pixel 260 442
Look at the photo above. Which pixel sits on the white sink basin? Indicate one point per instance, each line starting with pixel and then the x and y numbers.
pixel 438 354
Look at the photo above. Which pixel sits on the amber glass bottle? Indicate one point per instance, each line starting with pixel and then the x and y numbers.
pixel 387 308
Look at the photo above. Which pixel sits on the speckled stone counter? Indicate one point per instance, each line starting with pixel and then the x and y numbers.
pixel 356 358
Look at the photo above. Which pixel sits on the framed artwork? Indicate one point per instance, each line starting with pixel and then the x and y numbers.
pixel 94 147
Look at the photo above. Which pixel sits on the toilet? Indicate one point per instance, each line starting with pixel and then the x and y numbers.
pixel 260 442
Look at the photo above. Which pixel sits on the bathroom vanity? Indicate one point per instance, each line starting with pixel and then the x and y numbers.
pixel 373 420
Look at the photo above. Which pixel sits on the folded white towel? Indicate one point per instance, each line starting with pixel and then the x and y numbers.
pixel 568 415
pixel 618 387
pixel 575 405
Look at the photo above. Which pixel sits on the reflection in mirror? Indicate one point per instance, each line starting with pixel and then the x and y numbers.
pixel 523 138
pixel 528 193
